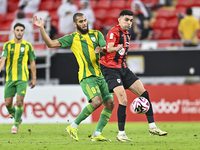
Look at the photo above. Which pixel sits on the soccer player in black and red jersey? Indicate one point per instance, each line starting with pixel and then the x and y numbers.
pixel 118 75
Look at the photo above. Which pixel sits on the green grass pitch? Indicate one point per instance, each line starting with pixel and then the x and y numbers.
pixel 181 136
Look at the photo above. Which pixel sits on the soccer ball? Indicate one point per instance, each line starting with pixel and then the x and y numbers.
pixel 140 105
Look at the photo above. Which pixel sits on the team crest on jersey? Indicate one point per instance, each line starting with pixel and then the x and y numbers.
pixel 93 39
pixel 121 51
pixel 22 49
pixel 118 80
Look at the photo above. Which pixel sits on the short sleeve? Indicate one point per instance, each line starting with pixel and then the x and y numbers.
pixel 5 50
pixel 101 39
pixel 31 55
pixel 66 41
pixel 111 37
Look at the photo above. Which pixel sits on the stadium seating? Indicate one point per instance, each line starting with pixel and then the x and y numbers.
pixel 172 23
pixel 5 26
pixel 159 23
pixel 105 4
pixel 100 14
pixel 195 3
pixel 46 5
pixel 164 13
pixel 12 6
pixel 184 3
pixel 118 4
pixel 166 34
pixel 156 34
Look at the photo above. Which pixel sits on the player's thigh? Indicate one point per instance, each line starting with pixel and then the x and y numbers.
pixel 129 78
pixel 90 87
pixel 106 95
pixel 10 89
pixel 137 88
pixel 112 77
pixel 21 87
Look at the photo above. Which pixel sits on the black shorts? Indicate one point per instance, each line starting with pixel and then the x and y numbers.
pixel 118 76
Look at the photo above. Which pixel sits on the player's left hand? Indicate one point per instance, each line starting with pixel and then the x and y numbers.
pixel 32 83
pixel 38 23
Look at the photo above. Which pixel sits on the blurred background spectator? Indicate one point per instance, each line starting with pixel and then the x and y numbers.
pixel 146 31
pixel 88 12
pixel 66 11
pixel 21 18
pixel 3 6
pixel 135 31
pixel 29 6
pixel 188 29
pixel 138 7
pixel 139 16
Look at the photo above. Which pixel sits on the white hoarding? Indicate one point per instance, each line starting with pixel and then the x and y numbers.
pixel 49 104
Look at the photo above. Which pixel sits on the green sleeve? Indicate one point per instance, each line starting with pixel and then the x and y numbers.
pixel 5 50
pixel 31 55
pixel 66 41
pixel 101 39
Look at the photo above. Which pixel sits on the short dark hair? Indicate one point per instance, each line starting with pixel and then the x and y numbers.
pixel 18 24
pixel 126 12
pixel 189 11
pixel 77 15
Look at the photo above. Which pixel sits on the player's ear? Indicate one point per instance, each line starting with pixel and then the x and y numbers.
pixel 119 19
pixel 74 24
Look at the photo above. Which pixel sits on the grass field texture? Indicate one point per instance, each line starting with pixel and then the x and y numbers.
pixel 181 136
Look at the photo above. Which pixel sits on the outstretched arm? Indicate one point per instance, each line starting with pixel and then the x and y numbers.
pixel 50 43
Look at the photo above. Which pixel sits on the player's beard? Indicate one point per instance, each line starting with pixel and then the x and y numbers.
pixel 81 30
pixel 18 37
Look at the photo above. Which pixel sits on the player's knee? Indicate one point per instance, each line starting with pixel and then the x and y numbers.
pixel 8 104
pixel 19 103
pixel 110 104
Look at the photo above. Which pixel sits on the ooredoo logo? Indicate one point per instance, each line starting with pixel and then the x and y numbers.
pixel 49 109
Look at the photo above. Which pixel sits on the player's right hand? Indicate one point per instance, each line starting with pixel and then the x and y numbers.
pixel 38 23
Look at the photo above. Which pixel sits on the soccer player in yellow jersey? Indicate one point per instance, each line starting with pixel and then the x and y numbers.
pixel 83 43
pixel 16 54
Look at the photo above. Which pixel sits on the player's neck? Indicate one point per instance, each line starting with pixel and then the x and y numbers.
pixel 17 41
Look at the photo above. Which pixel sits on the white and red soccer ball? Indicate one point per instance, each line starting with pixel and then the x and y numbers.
pixel 140 105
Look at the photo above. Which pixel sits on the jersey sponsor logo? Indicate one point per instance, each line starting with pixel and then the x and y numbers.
pixel 121 51
pixel 93 39
pixel 22 49
pixel 111 35
pixel 118 80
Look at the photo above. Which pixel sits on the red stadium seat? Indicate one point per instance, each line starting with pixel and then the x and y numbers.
pixel 172 23
pixel 164 13
pixel 109 22
pixel 166 34
pixel 77 3
pixel 100 14
pixel 105 4
pixel 1 48
pixel 54 22
pixel 128 4
pixel 97 25
pixel 57 4
pixel 150 3
pixel 4 38
pixel 5 26
pixel 12 6
pixel 156 34
pixel 46 5
pixel 195 3
pixel 10 16
pixel 2 16
pixel 184 3
pixel 113 13
pixel 179 10
pixel 118 4
pixel 93 4
pixel 159 23
pixel 53 14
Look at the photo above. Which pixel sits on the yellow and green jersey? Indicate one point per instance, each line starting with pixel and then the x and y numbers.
pixel 83 47
pixel 17 56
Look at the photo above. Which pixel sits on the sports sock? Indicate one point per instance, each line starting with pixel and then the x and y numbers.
pixel 149 113
pixel 121 114
pixel 104 118
pixel 11 110
pixel 152 125
pixel 121 132
pixel 84 114
pixel 18 115
pixel 74 125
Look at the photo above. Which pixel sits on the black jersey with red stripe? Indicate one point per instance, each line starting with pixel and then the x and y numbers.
pixel 116 59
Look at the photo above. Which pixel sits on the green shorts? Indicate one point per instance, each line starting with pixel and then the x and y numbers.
pixel 13 87
pixel 93 86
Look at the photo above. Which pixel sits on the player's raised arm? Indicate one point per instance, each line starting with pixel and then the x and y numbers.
pixel 50 43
